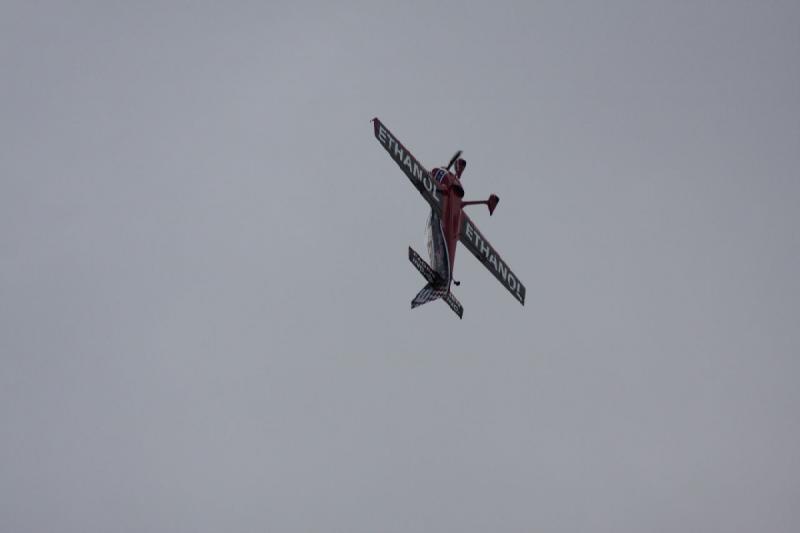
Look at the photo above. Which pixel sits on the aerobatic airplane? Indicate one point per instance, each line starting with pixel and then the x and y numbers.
pixel 447 224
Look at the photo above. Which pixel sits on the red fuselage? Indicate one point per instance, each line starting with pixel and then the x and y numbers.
pixel 451 194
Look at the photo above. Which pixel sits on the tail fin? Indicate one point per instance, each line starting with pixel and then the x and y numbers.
pixel 428 293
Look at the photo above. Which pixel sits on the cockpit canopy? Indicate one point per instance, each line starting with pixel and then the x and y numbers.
pixel 440 175
pixel 448 180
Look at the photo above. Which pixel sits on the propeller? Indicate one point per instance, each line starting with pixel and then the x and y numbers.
pixel 453 160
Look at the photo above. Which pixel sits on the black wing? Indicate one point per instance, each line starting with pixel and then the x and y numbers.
pixel 419 176
pixel 480 247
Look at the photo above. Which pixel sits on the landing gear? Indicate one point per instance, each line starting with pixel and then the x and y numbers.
pixel 491 203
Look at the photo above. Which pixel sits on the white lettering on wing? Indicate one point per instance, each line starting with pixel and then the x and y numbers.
pixel 485 248
pixel 503 270
pixel 512 281
pixel 426 181
pixel 417 171
pixel 407 161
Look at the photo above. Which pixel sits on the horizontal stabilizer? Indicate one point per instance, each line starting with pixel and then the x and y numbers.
pixel 435 288
pixel 424 268
pixel 454 304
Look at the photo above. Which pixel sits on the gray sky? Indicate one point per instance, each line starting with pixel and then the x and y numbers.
pixel 204 288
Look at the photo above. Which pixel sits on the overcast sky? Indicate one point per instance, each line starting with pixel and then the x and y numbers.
pixel 205 291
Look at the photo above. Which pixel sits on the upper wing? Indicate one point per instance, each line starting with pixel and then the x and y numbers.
pixel 480 247
pixel 420 178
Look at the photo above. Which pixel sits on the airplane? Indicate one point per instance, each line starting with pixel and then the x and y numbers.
pixel 447 224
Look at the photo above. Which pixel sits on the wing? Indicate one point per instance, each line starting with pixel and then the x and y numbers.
pixel 480 247
pixel 420 178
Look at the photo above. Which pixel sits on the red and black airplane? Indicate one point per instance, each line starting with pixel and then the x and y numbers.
pixel 447 224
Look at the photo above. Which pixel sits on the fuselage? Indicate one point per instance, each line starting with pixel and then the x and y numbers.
pixel 451 195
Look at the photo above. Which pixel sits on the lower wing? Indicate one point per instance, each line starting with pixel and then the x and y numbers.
pixel 476 243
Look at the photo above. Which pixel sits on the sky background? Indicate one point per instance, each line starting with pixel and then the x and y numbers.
pixel 204 284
